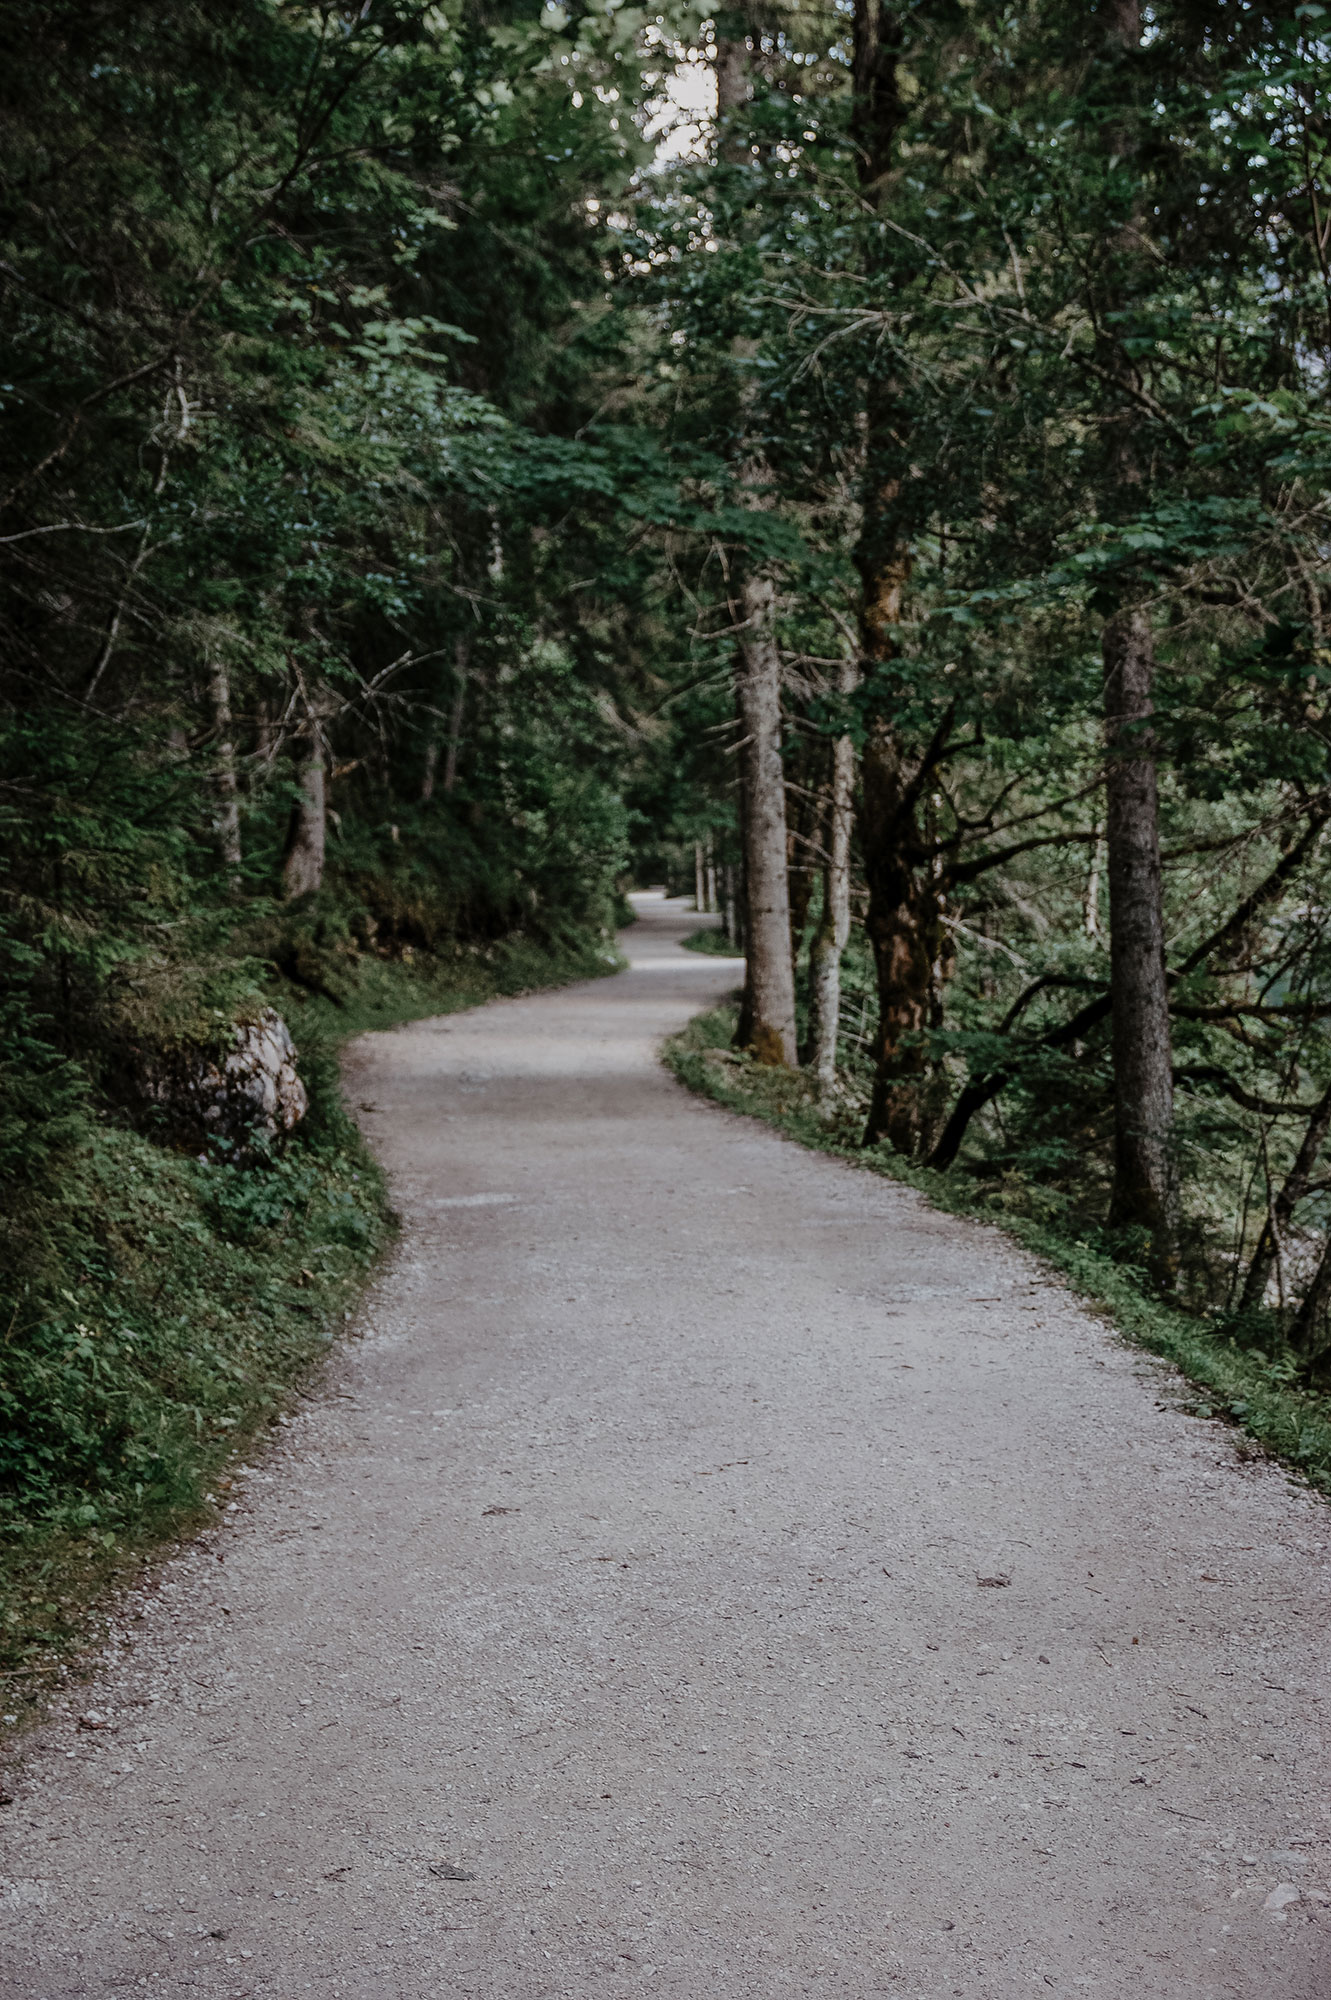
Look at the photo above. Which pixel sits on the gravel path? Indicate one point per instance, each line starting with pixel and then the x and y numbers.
pixel 710 1573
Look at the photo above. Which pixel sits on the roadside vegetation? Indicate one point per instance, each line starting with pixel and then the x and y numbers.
pixel 1011 777
pixel 714 943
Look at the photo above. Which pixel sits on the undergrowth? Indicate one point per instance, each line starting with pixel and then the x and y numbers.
pixel 377 992
pixel 1252 1387
pixel 715 942
pixel 158 1310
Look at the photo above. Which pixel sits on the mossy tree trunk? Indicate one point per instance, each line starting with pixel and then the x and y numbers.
pixel 829 942
pixel 903 917
pixel 771 976
pixel 1145 1188
pixel 767 1023
pixel 226 823
pixel 307 833
pixel 1144 1193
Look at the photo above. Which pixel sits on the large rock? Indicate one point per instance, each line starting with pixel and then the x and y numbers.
pixel 248 1096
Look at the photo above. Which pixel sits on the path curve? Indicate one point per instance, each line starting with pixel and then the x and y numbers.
pixel 627 1618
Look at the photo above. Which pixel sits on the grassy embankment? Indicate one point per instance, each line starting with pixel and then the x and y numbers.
pixel 161 1311
pixel 714 943
pixel 1256 1389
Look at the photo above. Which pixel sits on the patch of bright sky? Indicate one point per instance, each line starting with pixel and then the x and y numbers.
pixel 681 115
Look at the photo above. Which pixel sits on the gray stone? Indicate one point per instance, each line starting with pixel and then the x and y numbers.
pixel 248 1096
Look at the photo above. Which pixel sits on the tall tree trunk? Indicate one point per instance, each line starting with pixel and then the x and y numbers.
pixel 805 807
pixel 829 943
pixel 307 835
pixel 1145 1192
pixel 910 945
pixel 1310 1319
pixel 430 768
pixel 699 877
pixel 453 735
pixel 226 823
pixel 461 670
pixel 902 920
pixel 265 731
pixel 1091 902
pixel 731 905
pixel 770 990
pixel 767 1023
pixel 1281 1211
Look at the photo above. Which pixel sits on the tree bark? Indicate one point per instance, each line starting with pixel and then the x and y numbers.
pixel 804 808
pixel 902 919
pixel 829 943
pixel 733 88
pixel 1281 1211
pixel 1091 905
pixel 699 878
pixel 731 905
pixel 909 943
pixel 226 823
pixel 430 769
pixel 265 731
pixel 307 835
pixel 876 107
pixel 461 666
pixel 1145 1190
pixel 453 738
pixel 1312 1313
pixel 1145 1194
pixel 771 977
pixel 1123 19
pixel 767 1017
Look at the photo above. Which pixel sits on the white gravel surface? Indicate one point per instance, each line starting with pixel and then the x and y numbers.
pixel 708 1573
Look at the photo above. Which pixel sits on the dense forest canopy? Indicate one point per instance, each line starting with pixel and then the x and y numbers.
pixel 866 465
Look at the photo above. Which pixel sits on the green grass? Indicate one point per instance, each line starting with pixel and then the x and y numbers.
pixel 411 986
pixel 160 1313
pixel 1255 1390
pixel 714 941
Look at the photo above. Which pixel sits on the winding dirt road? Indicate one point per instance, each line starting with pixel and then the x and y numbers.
pixel 710 1573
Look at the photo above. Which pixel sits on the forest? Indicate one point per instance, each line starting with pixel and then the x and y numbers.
pixel 866 466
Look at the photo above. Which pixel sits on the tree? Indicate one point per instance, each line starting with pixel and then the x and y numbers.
pixel 769 1010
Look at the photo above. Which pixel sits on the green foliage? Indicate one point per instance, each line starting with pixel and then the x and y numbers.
pixel 1087 313
pixel 714 942
pixel 42 1093
pixel 158 1313
pixel 377 991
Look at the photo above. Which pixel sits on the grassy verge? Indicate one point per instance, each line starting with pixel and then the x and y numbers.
pixel 411 986
pixel 1255 1390
pixel 714 942
pixel 160 1312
